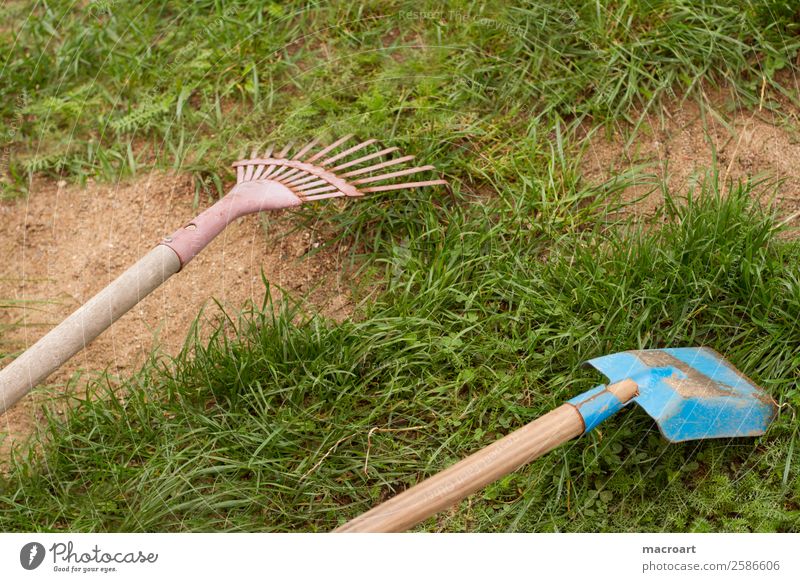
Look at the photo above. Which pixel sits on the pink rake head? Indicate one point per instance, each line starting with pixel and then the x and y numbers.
pixel 326 174
pixel 271 183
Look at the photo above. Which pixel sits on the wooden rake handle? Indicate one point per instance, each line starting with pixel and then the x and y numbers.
pixel 175 251
pixel 85 324
pixel 478 470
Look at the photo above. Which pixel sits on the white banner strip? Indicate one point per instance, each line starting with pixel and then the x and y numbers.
pixel 400 557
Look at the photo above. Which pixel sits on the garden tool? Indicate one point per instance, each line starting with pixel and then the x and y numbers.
pixel 691 393
pixel 313 172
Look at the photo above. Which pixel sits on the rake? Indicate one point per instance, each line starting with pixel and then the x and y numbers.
pixel 289 178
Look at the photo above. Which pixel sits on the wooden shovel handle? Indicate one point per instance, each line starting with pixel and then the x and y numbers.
pixel 467 476
pixel 478 470
pixel 85 324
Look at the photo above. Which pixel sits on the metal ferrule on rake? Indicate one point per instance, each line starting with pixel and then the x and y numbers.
pixel 263 183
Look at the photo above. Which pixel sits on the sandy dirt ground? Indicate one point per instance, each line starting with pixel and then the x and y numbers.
pixel 65 243
pixel 679 145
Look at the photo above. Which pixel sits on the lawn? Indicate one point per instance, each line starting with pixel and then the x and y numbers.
pixel 487 296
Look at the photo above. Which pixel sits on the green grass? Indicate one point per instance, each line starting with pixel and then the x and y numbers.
pixel 114 87
pixel 482 328
pixel 491 296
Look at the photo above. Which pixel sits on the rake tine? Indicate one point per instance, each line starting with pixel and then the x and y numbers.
pixel 304 150
pixel 377 166
pixel 301 180
pixel 248 175
pixel 289 174
pixel 271 168
pixel 260 169
pixel 285 151
pixel 320 190
pixel 347 152
pixel 397 174
pixel 364 159
pixel 281 170
pixel 406 185
pixel 310 185
pixel 323 196
pixel 324 151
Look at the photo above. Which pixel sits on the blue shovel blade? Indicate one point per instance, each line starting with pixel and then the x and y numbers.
pixel 692 393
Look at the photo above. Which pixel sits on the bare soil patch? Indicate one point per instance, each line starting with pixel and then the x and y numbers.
pixel 64 244
pixel 678 145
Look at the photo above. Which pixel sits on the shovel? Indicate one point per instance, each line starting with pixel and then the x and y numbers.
pixel 691 393
pixel 287 179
